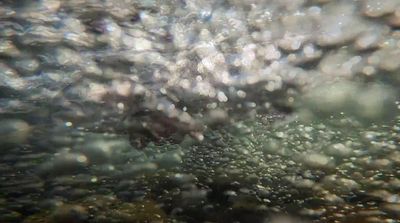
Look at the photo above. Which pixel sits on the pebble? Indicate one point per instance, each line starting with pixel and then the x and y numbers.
pixel 339 25
pixel 169 160
pixel 392 209
pixel 69 214
pixel 64 163
pixel 333 182
pixel 339 150
pixel 10 79
pixel 317 161
pixel 7 48
pixel 379 8
pixel 27 66
pixel 139 169
pixel 97 151
pixel 394 20
pixel 14 131
pixel 371 38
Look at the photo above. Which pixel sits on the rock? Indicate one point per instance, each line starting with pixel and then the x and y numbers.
pixel 26 66
pixel 394 20
pixel 7 48
pixel 97 151
pixel 366 103
pixel 170 159
pixel 318 161
pixel 339 150
pixel 69 214
pixel 335 183
pixel 140 169
pixel 392 209
pixel 10 79
pixel 379 8
pixel 64 163
pixel 338 24
pixel 371 38
pixel 14 131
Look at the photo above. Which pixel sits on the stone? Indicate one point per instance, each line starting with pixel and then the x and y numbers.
pixel 14 131
pixel 316 160
pixel 69 213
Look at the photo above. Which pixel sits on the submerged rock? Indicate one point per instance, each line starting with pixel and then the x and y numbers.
pixel 14 131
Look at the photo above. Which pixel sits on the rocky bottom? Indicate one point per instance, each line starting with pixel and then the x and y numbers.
pixel 258 170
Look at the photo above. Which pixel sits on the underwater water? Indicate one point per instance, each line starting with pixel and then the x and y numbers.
pixel 270 111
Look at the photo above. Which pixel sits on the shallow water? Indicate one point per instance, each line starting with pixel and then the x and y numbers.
pixel 199 111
